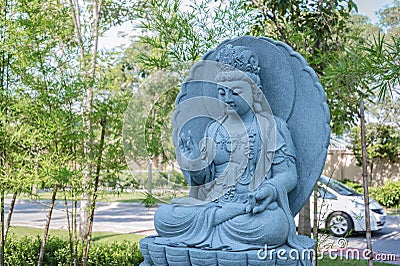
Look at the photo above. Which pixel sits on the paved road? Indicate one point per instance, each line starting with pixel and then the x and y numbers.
pixel 117 217
pixel 384 242
pixel 134 218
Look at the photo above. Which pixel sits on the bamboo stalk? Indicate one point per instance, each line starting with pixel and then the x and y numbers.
pixel 69 227
pixel 2 229
pixel 315 224
pixel 47 226
pixel 96 185
pixel 10 212
pixel 365 185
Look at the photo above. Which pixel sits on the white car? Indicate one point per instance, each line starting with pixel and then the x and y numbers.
pixel 341 209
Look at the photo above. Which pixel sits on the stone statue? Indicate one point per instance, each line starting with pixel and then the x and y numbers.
pixel 235 145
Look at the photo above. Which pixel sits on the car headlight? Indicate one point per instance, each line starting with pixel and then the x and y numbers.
pixel 378 211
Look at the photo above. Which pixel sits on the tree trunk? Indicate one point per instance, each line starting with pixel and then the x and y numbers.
pixel 2 228
pixel 96 185
pixel 47 226
pixel 304 227
pixel 76 14
pixel 69 229
pixel 10 212
pixel 75 226
pixel 84 209
pixel 371 168
pixel 89 71
pixel 315 224
pixel 149 176
pixel 365 185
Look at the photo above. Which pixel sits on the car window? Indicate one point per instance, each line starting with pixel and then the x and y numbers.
pixel 323 193
pixel 339 187
pixel 342 189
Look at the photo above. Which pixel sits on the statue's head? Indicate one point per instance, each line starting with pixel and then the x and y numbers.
pixel 240 74
pixel 237 90
pixel 240 58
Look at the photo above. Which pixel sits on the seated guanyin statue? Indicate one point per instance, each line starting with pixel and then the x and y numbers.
pixel 235 206
pixel 238 156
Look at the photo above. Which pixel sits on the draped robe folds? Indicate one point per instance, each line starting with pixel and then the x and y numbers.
pixel 194 225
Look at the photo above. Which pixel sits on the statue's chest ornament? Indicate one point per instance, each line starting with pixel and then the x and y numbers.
pixel 230 144
pixel 252 134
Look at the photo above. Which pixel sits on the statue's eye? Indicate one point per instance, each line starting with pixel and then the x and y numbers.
pixel 221 92
pixel 237 91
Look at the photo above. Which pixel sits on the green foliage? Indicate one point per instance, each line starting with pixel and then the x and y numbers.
pixel 345 87
pixel 115 254
pixel 158 127
pixel 347 52
pixel 176 34
pixel 312 28
pixel 387 112
pixel 387 195
pixel 382 142
pixel 176 178
pixel 389 16
pixel 383 64
pixel 147 122
pixel 173 35
pixel 149 200
pixel 25 251
pixel 321 32
pixel 354 185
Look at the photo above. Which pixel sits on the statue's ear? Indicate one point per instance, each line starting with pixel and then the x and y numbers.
pixel 257 107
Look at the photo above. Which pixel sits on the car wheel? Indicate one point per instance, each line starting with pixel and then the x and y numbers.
pixel 339 224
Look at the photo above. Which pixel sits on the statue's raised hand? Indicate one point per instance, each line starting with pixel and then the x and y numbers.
pixel 187 146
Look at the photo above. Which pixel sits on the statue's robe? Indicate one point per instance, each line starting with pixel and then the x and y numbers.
pixel 194 226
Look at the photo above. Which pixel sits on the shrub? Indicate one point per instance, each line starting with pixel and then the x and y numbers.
pixel 354 185
pixel 25 251
pixel 387 195
pixel 149 200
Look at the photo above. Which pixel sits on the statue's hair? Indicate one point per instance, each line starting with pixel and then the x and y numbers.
pixel 235 75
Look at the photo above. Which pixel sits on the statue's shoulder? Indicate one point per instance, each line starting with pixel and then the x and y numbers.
pixel 283 137
pixel 281 125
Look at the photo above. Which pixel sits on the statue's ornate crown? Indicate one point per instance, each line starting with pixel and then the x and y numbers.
pixel 238 57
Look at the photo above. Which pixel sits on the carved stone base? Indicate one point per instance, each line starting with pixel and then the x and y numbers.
pixel 161 255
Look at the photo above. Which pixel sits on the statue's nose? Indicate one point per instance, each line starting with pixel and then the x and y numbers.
pixel 228 97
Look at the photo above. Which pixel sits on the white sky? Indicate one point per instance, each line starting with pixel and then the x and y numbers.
pixel 370 7
pixel 113 40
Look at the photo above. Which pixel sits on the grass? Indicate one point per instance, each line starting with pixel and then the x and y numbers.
pixel 393 211
pixel 103 196
pixel 97 237
pixel 133 197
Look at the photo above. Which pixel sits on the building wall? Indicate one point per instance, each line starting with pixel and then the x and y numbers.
pixel 342 164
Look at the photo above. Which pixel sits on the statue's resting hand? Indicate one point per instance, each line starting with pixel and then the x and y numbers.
pixel 228 211
pixel 260 199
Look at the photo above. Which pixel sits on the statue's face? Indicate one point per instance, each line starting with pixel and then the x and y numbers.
pixel 237 94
